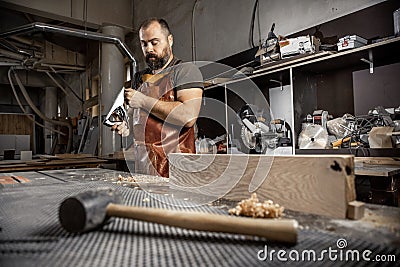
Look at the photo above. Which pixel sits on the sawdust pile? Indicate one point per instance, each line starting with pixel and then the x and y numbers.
pixel 252 207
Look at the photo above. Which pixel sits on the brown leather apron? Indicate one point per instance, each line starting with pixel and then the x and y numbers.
pixel 154 138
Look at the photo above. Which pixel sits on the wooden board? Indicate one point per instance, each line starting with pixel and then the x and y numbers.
pixel 73 156
pixel 377 170
pixel 377 160
pixel 17 124
pixel 37 165
pixel 322 184
pixel 377 166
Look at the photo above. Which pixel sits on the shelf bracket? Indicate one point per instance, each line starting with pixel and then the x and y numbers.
pixel 369 61
pixel 278 82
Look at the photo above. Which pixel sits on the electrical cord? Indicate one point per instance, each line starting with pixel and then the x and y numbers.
pixel 253 18
pixel 362 125
pixel 194 31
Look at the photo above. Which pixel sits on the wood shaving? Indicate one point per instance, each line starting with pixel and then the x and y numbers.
pixel 251 207
pixel 138 179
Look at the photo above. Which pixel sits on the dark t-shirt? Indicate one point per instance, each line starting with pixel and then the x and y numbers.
pixel 185 75
pixel 154 138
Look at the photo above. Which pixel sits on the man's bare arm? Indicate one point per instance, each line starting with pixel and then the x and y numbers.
pixel 182 112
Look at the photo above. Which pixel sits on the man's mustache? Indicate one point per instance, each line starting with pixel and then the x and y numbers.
pixel 150 55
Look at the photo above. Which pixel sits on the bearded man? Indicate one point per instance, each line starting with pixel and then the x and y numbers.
pixel 165 101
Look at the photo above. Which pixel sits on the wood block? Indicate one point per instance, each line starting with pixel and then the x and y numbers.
pixel 322 184
pixel 355 210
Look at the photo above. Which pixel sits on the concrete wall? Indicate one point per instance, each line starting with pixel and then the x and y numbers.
pixel 117 12
pixel 222 27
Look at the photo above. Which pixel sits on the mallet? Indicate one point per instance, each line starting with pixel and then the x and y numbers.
pixel 91 209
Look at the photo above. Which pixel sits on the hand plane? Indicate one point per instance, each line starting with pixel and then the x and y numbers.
pixel 117 113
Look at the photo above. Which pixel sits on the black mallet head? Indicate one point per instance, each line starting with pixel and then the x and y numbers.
pixel 87 210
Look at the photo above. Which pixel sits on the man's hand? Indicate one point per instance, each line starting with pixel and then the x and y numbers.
pixel 182 112
pixel 121 128
pixel 134 98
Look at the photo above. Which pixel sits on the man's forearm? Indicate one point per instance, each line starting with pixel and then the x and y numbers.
pixel 176 112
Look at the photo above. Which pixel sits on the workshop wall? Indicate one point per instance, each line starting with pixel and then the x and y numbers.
pixel 222 28
pixel 117 12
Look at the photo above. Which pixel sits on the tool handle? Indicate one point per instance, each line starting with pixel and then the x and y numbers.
pixel 340 141
pixel 283 230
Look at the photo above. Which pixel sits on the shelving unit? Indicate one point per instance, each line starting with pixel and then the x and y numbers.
pixel 326 60
pixel 316 81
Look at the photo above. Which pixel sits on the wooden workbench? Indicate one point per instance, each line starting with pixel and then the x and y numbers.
pixel 31 235
pixel 383 175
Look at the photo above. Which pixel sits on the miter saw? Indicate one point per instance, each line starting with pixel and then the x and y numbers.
pixel 255 133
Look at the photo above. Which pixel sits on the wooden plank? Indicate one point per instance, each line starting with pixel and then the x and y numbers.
pixel 36 165
pixel 7 180
pixel 377 170
pixel 71 162
pixel 74 156
pixel 322 184
pixel 292 60
pixel 377 160
pixel 17 124
pixel 22 179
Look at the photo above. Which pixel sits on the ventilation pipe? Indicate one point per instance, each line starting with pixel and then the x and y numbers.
pixel 112 79
pixel 101 37
pixel 50 112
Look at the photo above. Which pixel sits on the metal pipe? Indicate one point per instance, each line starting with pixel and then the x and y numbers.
pixel 66 83
pixel 57 83
pixel 41 115
pixel 12 55
pixel 112 74
pixel 23 109
pixel 9 64
pixel 71 32
pixel 13 48
pixel 26 41
pixel 50 111
pixel 37 26
pixel 63 67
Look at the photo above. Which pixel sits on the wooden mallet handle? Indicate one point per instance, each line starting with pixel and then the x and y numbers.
pixel 283 230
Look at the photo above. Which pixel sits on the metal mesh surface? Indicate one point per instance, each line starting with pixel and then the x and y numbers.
pixel 31 235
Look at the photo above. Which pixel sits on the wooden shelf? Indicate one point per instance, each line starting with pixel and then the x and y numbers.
pixel 361 152
pixel 325 61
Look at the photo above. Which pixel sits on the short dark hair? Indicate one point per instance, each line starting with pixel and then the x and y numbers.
pixel 163 23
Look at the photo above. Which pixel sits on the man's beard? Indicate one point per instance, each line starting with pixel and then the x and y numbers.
pixel 155 62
